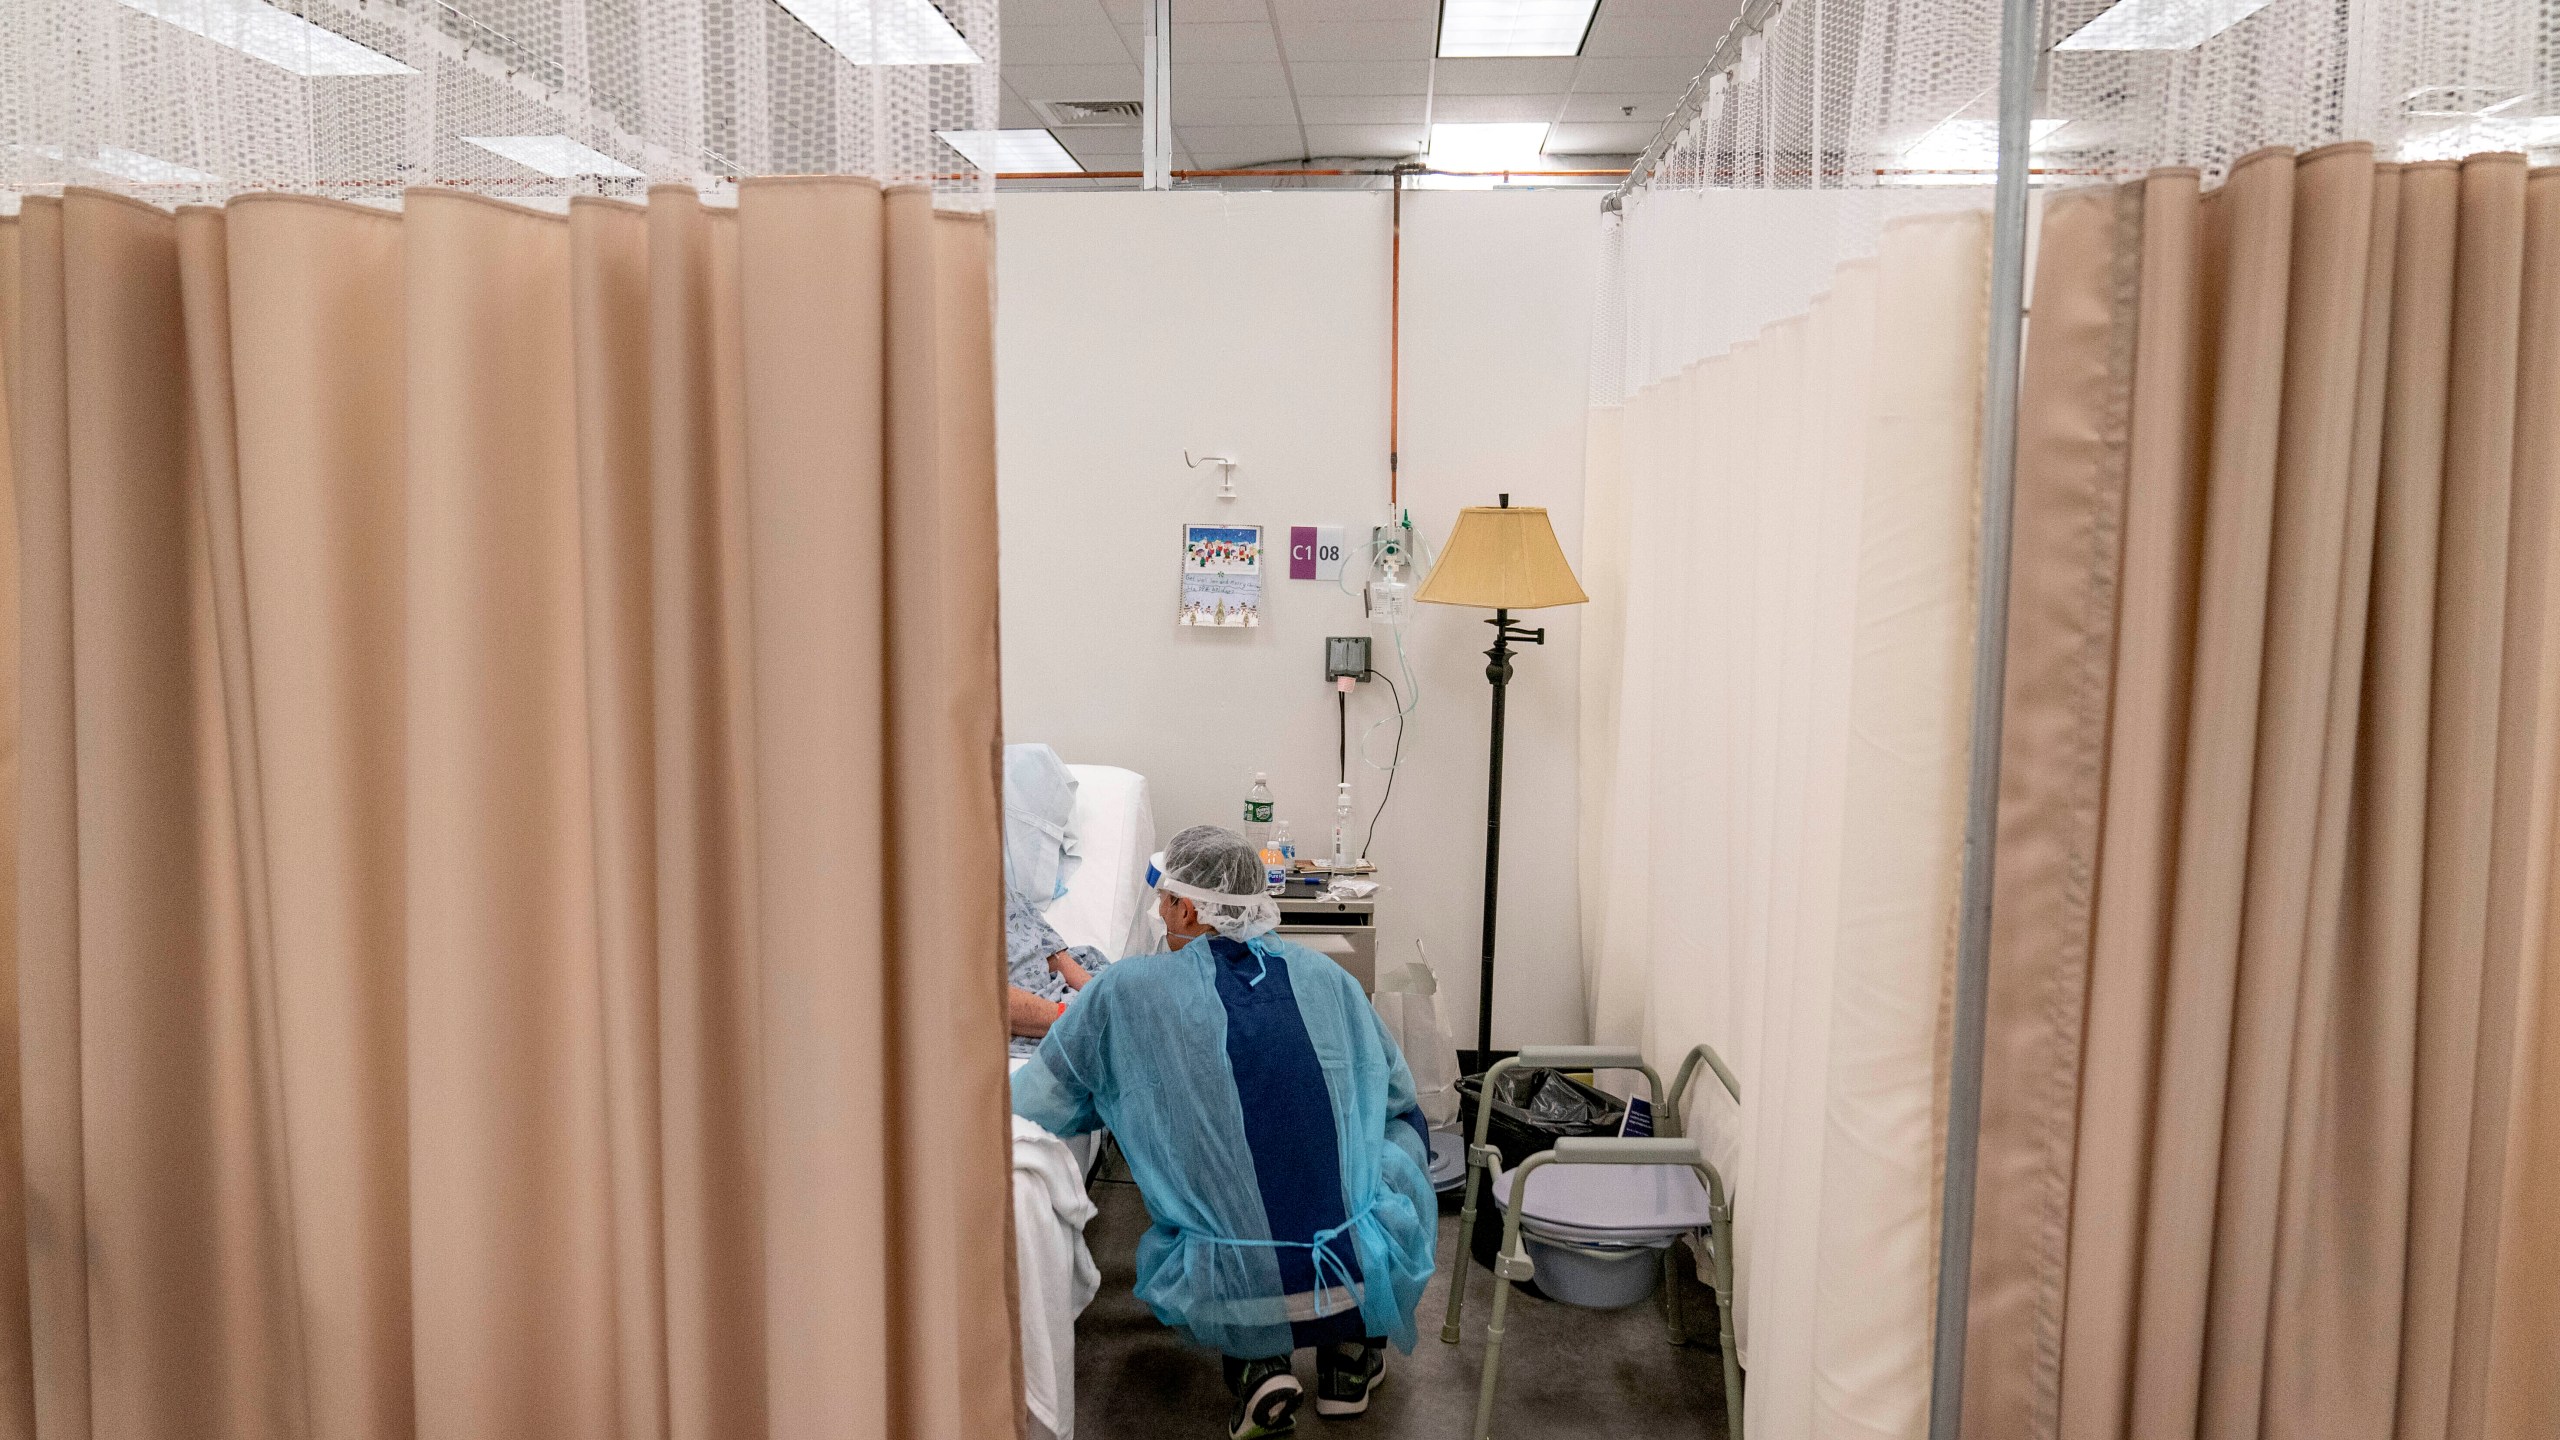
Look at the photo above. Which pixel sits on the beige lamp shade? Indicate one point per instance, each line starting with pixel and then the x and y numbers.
pixel 1503 558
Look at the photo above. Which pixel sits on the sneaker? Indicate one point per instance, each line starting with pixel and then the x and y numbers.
pixel 1346 1376
pixel 1266 1401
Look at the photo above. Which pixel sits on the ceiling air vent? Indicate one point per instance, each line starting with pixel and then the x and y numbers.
pixel 1070 113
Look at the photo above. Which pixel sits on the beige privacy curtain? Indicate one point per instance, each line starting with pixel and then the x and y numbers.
pixel 2269 1131
pixel 509 703
pixel 1775 725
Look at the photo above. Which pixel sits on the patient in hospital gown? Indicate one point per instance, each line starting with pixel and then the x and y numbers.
pixel 1042 971
pixel 1040 965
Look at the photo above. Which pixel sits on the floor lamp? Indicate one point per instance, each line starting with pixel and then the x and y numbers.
pixel 1500 558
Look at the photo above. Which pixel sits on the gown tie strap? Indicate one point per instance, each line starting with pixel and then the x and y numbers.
pixel 1331 1271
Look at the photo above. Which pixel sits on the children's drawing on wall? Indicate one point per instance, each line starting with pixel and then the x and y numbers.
pixel 1222 576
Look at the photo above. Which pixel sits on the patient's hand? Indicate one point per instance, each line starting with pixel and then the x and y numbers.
pixel 1076 976
pixel 1028 1014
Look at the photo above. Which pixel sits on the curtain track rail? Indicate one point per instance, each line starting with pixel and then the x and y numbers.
pixel 1727 54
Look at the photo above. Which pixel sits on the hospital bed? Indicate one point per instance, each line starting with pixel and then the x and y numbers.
pixel 1107 906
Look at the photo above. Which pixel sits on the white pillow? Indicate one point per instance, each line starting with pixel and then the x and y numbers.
pixel 1107 904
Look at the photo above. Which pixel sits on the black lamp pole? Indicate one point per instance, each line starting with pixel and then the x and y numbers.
pixel 1497 670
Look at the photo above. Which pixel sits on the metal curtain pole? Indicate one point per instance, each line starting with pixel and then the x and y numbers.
pixel 2018 36
pixel 1155 139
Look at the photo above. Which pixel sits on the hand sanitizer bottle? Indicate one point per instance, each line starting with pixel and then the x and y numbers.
pixel 1277 856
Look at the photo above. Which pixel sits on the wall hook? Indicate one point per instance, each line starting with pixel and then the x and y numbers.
pixel 1227 471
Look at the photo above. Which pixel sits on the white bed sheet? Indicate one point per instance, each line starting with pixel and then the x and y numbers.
pixel 1055 1269
pixel 1049 1312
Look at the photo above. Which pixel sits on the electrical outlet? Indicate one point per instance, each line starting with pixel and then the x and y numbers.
pixel 1346 655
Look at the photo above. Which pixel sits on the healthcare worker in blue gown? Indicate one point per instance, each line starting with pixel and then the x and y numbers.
pixel 1271 1125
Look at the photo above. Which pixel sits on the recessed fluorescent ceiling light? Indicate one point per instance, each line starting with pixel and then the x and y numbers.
pixel 1471 28
pixel 1510 145
pixel 2160 24
pixel 144 169
pixel 279 37
pixel 125 164
pixel 884 32
pixel 553 155
pixel 1011 151
pixel 1969 144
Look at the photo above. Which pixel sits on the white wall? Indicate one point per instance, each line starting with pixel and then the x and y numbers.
pixel 1131 326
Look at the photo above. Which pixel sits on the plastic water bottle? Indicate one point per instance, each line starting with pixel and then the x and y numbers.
pixel 1257 812
pixel 1276 857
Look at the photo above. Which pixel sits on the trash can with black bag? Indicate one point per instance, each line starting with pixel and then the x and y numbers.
pixel 1534 1109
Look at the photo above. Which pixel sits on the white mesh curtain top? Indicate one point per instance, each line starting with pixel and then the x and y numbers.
pixel 1831 93
pixel 196 100
pixel 1890 107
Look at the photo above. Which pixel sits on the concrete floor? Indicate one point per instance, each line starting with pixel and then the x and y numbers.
pixel 1567 1372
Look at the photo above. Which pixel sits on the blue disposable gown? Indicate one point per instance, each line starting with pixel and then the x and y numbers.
pixel 1143 1050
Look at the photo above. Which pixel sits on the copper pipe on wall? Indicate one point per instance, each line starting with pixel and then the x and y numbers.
pixel 1395 340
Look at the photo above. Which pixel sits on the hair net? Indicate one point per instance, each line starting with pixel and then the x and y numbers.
pixel 1218 872
pixel 1039 852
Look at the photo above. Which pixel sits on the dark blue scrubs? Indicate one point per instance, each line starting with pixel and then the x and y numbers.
pixel 1288 1127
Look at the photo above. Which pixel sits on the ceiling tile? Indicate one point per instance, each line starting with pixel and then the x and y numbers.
pixel 1074 82
pixel 1689 30
pixel 1371 77
pixel 1297 13
pixel 1361 109
pixel 1013 112
pixel 1063 45
pixel 1086 144
pixel 1234 110
pixel 1477 109
pixel 1622 139
pixel 1617 109
pixel 1014 13
pixel 1719 12
pixel 1620 75
pixel 1242 144
pixel 1501 77
pixel 1134 12
pixel 1359 40
pixel 1378 140
pixel 1226 82
pixel 1224 42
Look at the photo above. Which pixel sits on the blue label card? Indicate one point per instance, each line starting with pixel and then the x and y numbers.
pixel 1639 1122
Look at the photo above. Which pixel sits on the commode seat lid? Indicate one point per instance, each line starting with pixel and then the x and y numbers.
pixel 1623 1204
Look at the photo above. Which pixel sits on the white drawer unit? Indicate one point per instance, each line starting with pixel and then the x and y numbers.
pixel 1346 930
